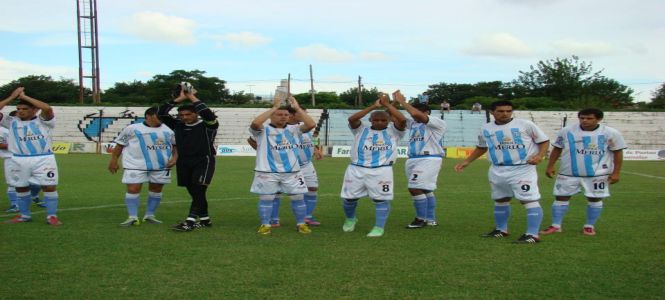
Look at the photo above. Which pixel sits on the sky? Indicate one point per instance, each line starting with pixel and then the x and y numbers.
pixel 406 45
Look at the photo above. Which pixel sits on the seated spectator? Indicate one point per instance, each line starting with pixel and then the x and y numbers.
pixel 445 106
pixel 476 107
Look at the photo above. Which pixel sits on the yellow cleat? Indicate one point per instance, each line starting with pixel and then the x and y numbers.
pixel 264 229
pixel 303 228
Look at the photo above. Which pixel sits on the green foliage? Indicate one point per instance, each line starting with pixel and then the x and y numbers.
pixel 534 103
pixel 239 98
pixel 484 101
pixel 210 89
pixel 323 100
pixel 368 96
pixel 458 94
pixel 122 92
pixel 658 99
pixel 45 89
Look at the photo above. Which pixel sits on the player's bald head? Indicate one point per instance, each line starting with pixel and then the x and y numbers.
pixel 379 114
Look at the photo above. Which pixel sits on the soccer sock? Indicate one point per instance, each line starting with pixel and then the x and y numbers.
pixel 153 203
pixel 420 204
pixel 593 211
pixel 132 201
pixel 23 201
pixel 11 195
pixel 299 208
pixel 310 201
pixel 431 206
pixel 534 216
pixel 382 209
pixel 34 191
pixel 276 203
pixel 51 201
pixel 350 207
pixel 265 208
pixel 559 210
pixel 501 215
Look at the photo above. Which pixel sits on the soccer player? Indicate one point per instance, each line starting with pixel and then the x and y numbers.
pixel 515 147
pixel 591 158
pixel 373 153
pixel 32 158
pixel 196 151
pixel 424 162
pixel 277 165
pixel 149 153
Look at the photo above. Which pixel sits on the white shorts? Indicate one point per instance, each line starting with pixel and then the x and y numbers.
pixel 38 170
pixel 309 173
pixel 594 187
pixel 7 173
pixel 520 182
pixel 377 183
pixel 422 173
pixel 273 183
pixel 140 176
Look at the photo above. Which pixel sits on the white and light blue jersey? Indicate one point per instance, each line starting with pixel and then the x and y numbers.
pixel 305 148
pixel 588 153
pixel 29 138
pixel 511 144
pixel 276 149
pixel 375 148
pixel 146 148
pixel 4 139
pixel 425 138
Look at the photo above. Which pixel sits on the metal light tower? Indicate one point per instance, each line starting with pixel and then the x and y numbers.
pixel 86 13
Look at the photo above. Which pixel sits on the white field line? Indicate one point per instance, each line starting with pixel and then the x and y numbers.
pixel 643 175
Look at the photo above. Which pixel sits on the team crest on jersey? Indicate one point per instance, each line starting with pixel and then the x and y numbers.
pixel 380 145
pixel 416 137
pixel 159 145
pixel 507 143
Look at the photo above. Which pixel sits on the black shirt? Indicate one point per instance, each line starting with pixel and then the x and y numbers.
pixel 195 140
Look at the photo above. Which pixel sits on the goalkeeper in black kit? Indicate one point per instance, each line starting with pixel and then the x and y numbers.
pixel 196 163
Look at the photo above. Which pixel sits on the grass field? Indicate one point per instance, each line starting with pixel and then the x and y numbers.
pixel 91 256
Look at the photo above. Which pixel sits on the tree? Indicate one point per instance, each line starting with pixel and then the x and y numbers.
pixel 368 96
pixel 127 92
pixel 456 93
pixel 323 99
pixel 44 88
pixel 658 100
pixel 210 89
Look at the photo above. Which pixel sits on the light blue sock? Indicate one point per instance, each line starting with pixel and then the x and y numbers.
pixel 382 209
pixel 534 216
pixel 265 208
pixel 23 201
pixel 274 216
pixel 132 202
pixel 501 215
pixel 299 208
pixel 310 201
pixel 350 207
pixel 11 195
pixel 51 201
pixel 559 210
pixel 593 211
pixel 431 206
pixel 420 204
pixel 154 199
pixel 34 191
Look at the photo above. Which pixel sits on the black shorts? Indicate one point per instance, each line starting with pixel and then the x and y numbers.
pixel 195 171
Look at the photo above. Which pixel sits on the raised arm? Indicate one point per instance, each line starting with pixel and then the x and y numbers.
pixel 354 120
pixel 417 115
pixel 202 109
pixel 399 120
pixel 257 123
pixel 308 122
pixel 11 97
pixel 47 111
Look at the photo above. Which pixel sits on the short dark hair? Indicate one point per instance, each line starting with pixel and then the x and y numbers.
pixel 422 107
pixel 12 113
pixel 150 111
pixel 498 103
pixel 24 102
pixel 187 107
pixel 591 111
pixel 291 110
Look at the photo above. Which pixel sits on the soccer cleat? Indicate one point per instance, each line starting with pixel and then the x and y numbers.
pixel 53 221
pixel 527 239
pixel 349 225
pixel 39 202
pixel 432 223
pixel 264 229
pixel 205 223
pixel 303 228
pixel 151 220
pixel 12 209
pixel 550 230
pixel 495 234
pixel 417 223
pixel 183 226
pixel 312 222
pixel 19 219
pixel 588 231
pixel 275 223
pixel 131 222
pixel 375 232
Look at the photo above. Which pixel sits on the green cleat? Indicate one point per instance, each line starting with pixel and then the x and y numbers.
pixel 375 232
pixel 130 222
pixel 349 225
pixel 151 220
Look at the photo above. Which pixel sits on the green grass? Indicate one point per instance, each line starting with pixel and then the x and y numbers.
pixel 91 256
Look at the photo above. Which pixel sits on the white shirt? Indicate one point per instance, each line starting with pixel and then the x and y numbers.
pixel 4 135
pixel 276 149
pixel 29 138
pixel 375 148
pixel 425 138
pixel 512 143
pixel 146 148
pixel 305 148
pixel 587 153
